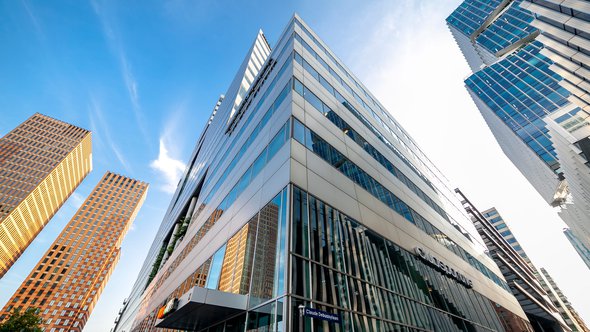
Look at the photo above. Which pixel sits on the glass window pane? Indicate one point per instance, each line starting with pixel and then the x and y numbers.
pixel 215 270
pixel 298 87
pixel 313 100
pixel 259 163
pixel 276 143
pixel 326 85
pixel 310 70
pixel 298 131
pixel 263 271
pixel 281 96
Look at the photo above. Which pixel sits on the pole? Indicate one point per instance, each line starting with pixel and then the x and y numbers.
pixel 301 318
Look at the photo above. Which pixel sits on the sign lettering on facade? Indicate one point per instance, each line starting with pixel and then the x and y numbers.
pixel 440 265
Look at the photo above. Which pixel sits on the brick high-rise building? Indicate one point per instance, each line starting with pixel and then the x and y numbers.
pixel 68 280
pixel 42 161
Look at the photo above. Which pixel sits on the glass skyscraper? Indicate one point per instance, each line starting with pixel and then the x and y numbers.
pixel 306 207
pixel 565 32
pixel 530 88
pixel 513 88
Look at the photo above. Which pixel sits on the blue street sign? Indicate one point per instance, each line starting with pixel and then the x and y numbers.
pixel 318 314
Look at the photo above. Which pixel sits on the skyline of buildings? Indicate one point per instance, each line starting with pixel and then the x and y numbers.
pixel 68 280
pixel 42 162
pixel 534 113
pixel 308 137
pixel 231 269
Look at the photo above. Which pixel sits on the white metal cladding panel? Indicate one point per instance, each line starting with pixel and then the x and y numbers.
pixel 360 205
pixel 318 123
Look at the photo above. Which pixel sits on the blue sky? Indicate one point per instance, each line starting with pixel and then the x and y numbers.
pixel 145 75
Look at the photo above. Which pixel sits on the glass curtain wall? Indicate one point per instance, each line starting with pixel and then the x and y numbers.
pixel 252 262
pixel 341 267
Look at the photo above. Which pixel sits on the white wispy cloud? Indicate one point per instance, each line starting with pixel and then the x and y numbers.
pixel 101 130
pixel 131 84
pixel 117 48
pixel 34 20
pixel 171 169
pixel 167 164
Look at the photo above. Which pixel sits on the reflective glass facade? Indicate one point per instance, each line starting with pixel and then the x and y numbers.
pixel 341 266
pixel 496 26
pixel 471 15
pixel 252 262
pixel 509 28
pixel 521 90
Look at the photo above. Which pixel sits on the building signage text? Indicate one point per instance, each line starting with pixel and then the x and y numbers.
pixel 440 265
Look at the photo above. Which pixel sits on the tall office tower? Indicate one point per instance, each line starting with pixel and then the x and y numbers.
pixel 517 268
pixel 527 106
pixel 188 190
pixel 515 90
pixel 563 299
pixel 495 219
pixel 42 162
pixel 565 32
pixel 68 280
pixel 569 129
pixel 570 315
pixel 582 250
pixel 309 198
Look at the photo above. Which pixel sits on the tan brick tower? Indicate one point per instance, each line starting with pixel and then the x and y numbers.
pixel 68 280
pixel 42 161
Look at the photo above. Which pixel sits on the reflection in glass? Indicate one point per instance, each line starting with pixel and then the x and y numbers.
pixel 265 254
pixel 237 263
pixel 215 271
pixel 261 319
pixel 370 282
